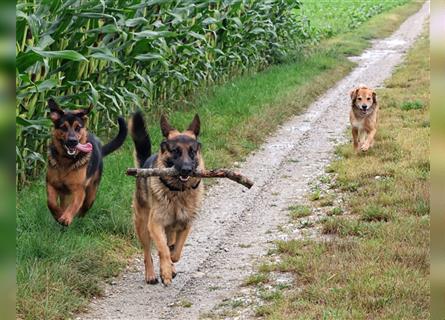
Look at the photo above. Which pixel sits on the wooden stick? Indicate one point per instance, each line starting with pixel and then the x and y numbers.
pixel 171 172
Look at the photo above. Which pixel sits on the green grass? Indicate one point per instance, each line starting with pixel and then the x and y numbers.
pixel 329 18
pixel 299 211
pixel 255 279
pixel 335 211
pixel 411 105
pixel 59 269
pixel 377 264
pixel 315 195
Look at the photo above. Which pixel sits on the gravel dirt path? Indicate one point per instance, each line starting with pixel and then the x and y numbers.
pixel 236 225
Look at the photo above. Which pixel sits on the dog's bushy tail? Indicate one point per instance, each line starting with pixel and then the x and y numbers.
pixel 115 144
pixel 141 138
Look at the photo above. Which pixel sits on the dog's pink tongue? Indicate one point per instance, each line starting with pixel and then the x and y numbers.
pixel 87 147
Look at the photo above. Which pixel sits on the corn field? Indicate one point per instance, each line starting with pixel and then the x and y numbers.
pixel 121 54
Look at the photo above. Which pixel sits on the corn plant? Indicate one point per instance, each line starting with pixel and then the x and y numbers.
pixel 123 54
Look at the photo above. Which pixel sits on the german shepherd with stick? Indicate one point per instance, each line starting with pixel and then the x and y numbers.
pixel 165 207
pixel 75 162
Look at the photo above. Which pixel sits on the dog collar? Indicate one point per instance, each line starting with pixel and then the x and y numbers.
pixel 173 188
pixel 80 161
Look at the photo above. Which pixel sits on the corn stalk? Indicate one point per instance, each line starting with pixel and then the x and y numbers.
pixel 123 54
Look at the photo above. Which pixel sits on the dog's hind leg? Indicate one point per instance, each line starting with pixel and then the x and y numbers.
pixel 141 226
pixel 179 245
pixel 90 197
pixel 171 238
pixel 171 241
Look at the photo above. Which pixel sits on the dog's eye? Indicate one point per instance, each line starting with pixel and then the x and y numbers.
pixel 64 128
pixel 359 99
pixel 192 153
pixel 77 129
pixel 368 99
pixel 177 152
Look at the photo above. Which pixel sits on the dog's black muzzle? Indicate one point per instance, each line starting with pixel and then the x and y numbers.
pixel 185 170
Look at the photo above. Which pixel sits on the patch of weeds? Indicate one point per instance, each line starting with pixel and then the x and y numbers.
pixel 331 226
pixel 262 311
pixel 266 268
pixel 270 295
pixel 422 207
pixel 283 286
pixel 214 288
pixel 305 224
pixel 412 105
pixel 185 303
pixel 237 303
pixel 315 195
pixel 325 179
pixel 424 168
pixel 345 227
pixel 255 279
pixel 335 211
pixel 352 186
pixel 375 213
pixel 244 245
pixel 329 169
pixel 299 211
pixel 326 201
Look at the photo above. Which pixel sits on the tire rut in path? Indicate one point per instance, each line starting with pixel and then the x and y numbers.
pixel 236 225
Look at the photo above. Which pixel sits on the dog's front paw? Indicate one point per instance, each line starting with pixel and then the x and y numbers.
pixel 364 147
pixel 166 279
pixel 151 280
pixel 65 220
pixel 167 276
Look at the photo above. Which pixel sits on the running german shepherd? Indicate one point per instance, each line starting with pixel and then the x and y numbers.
pixel 75 162
pixel 164 208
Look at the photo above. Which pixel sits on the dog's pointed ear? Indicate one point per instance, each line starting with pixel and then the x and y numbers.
pixel 195 126
pixel 164 146
pixel 55 112
pixel 84 112
pixel 354 93
pixel 374 97
pixel 165 126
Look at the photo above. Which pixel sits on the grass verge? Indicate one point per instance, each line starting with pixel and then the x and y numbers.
pixel 59 270
pixel 377 264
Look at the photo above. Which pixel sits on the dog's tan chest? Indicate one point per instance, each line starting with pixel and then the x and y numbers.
pixel 60 179
pixel 173 208
pixel 358 123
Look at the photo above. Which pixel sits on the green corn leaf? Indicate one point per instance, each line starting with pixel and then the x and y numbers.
pixel 38 124
pixel 107 56
pixel 131 23
pixel 63 54
pixel 154 34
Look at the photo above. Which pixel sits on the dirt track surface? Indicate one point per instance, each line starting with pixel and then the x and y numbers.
pixel 236 225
